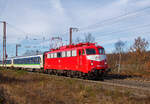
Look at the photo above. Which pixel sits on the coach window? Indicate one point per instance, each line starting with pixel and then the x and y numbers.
pixel 39 60
pixel 59 54
pixel 28 60
pixel 32 60
pixel 74 53
pixel 35 60
pixel 23 61
pixel 68 53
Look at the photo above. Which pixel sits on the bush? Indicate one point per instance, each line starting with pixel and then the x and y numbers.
pixel 2 99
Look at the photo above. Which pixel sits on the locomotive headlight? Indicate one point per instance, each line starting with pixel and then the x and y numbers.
pixel 91 62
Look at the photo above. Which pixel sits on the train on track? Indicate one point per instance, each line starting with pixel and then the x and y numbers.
pixel 82 60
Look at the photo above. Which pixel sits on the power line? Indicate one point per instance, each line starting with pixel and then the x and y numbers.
pixel 131 28
pixel 16 28
pixel 134 34
pixel 116 22
pixel 114 18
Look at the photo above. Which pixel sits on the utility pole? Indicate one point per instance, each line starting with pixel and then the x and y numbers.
pixel 4 43
pixel 71 30
pixel 70 36
pixel 17 45
pixel 119 62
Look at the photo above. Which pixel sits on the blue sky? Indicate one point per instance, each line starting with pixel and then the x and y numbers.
pixel 36 19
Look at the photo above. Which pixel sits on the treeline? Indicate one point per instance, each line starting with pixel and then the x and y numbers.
pixel 133 59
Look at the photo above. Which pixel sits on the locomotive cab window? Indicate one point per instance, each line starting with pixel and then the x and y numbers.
pixel 101 51
pixel 90 51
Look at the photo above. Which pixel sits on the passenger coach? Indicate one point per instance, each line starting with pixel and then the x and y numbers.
pixel 30 62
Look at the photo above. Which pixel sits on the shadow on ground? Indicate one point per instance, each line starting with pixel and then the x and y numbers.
pixel 118 76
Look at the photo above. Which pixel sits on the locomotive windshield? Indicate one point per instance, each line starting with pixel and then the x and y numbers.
pixel 90 51
pixel 101 51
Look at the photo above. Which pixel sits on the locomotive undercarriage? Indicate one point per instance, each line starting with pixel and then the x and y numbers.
pixel 93 75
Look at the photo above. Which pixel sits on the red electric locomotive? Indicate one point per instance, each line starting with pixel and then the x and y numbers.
pixel 83 59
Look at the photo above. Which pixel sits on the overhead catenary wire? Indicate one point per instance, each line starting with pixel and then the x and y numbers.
pixel 91 25
pixel 115 18
pixel 16 28
pixel 122 30
pixel 112 25
pixel 132 36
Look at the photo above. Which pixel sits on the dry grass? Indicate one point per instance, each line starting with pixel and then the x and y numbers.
pixel 131 64
pixel 20 87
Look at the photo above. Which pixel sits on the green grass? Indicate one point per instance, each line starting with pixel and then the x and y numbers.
pixel 21 72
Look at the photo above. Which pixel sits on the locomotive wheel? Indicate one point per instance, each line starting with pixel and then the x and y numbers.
pixel 101 76
pixel 68 73
pixel 72 74
pixel 80 74
pixel 65 73
pixel 59 73
pixel 46 71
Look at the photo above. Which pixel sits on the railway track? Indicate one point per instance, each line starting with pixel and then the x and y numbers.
pixel 130 84
pixel 112 81
pixel 126 84
pixel 123 83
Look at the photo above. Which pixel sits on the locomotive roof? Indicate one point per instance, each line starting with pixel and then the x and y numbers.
pixel 75 46
pixel 16 57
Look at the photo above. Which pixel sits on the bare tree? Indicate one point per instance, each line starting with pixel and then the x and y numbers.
pixel 139 45
pixel 119 49
pixel 119 46
pixel 89 38
pixel 138 52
